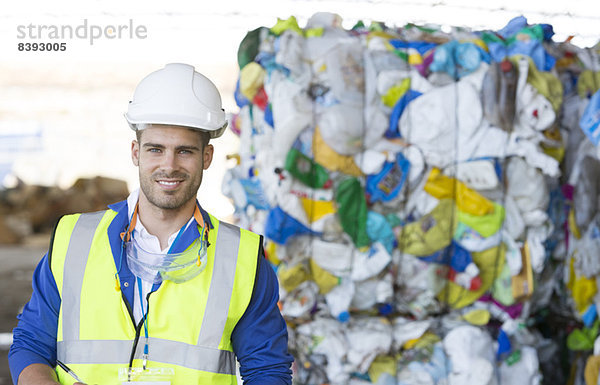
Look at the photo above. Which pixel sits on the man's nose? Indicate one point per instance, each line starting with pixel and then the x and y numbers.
pixel 169 160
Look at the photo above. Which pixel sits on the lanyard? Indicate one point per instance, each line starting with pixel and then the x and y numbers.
pixel 145 318
pixel 145 314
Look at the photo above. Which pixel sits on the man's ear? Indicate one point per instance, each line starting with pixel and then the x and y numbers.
pixel 208 155
pixel 135 153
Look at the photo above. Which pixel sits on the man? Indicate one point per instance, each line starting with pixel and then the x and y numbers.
pixel 155 288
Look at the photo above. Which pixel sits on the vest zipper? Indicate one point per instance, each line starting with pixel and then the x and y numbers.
pixel 138 330
pixel 129 309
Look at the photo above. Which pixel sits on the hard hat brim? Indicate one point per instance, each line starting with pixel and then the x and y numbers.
pixel 134 124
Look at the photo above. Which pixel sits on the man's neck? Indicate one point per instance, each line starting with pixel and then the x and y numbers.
pixel 162 222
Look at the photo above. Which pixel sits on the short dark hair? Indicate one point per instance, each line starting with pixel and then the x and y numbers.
pixel 204 136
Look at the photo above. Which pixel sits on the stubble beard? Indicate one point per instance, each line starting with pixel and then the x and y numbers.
pixel 169 200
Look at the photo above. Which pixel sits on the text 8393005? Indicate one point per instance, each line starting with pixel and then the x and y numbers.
pixel 42 47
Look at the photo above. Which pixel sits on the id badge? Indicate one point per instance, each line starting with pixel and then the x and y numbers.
pixel 149 376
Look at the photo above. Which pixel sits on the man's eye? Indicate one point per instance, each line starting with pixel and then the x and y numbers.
pixel 185 152
pixel 154 150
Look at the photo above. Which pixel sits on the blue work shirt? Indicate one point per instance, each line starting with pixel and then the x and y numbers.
pixel 259 339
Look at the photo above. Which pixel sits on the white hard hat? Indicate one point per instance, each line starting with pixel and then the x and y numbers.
pixel 177 95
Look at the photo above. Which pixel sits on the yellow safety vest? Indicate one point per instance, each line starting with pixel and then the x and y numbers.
pixel 190 323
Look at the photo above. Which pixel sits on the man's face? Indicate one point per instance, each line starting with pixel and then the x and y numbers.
pixel 171 160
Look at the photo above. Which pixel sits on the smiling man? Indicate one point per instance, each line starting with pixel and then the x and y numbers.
pixel 155 289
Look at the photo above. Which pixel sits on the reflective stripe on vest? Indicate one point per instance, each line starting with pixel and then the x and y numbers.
pixel 169 352
pixel 204 356
pixel 228 243
pixel 75 261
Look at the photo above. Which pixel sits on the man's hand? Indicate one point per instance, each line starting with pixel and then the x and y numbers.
pixel 39 374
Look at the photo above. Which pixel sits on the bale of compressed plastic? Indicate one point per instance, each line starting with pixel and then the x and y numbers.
pixel 413 188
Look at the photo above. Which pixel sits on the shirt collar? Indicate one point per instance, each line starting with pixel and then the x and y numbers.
pixel 124 207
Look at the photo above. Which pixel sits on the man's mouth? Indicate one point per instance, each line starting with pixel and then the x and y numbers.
pixel 169 184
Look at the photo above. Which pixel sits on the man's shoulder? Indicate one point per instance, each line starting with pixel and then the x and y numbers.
pixel 107 216
pixel 237 228
pixel 75 216
pixel 113 208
